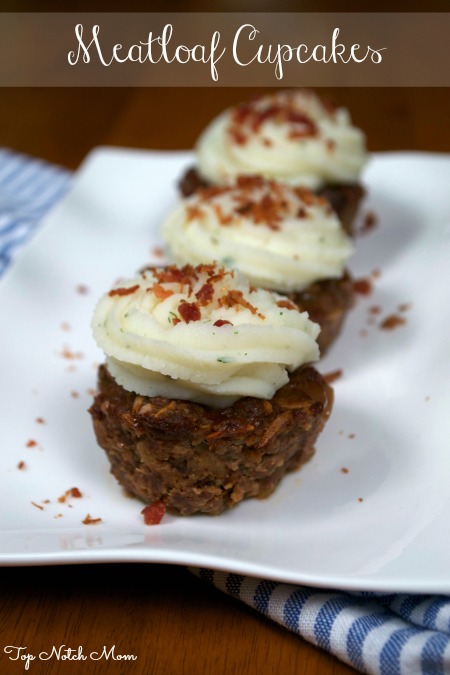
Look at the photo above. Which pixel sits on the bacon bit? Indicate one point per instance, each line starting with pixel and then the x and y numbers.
pixel 233 298
pixel 40 420
pixel 65 326
pixel 124 291
pixel 31 443
pixel 46 501
pixel 360 499
pixel 221 217
pixel 345 470
pixel 333 375
pixel 82 289
pixel 194 211
pixel 267 142
pixel 222 322
pixel 248 118
pixel 189 311
pixel 38 506
pixel 248 182
pixel 72 492
pixel 304 127
pixel 369 222
pixel 362 286
pixel 375 309
pixel 287 304
pixel 158 252
pixel 351 435
pixel 376 274
pixel 74 394
pixel 21 465
pixel 153 513
pixel 392 321
pixel 205 294
pixel 237 136
pixel 68 354
pixel 160 292
pixel 91 521
pixel 171 274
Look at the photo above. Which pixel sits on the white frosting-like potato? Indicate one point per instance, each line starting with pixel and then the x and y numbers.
pixel 281 237
pixel 202 334
pixel 291 136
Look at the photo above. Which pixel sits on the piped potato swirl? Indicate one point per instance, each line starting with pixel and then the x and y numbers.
pixel 202 334
pixel 291 135
pixel 282 237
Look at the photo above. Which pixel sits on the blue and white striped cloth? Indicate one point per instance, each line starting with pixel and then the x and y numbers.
pixel 28 188
pixel 387 634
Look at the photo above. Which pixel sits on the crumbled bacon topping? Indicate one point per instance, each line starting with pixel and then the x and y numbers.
pixel 194 211
pixel 161 292
pixel 205 294
pixel 287 304
pixel 89 520
pixel 222 322
pixel 69 354
pixel 206 284
pixel 370 221
pixel 235 297
pixel 72 492
pixel 392 321
pixel 153 513
pixel 124 291
pixel 247 119
pixel 362 286
pixel 182 275
pixel 189 311
pixel 261 200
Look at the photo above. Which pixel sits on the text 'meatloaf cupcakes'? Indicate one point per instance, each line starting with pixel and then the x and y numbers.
pixel 282 237
pixel 291 136
pixel 207 395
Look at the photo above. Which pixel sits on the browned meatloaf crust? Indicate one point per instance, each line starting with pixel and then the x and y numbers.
pixel 195 458
pixel 345 199
pixel 327 303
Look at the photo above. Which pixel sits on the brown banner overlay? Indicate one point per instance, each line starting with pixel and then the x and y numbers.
pixel 224 49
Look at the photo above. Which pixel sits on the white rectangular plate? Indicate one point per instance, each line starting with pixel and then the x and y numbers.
pixel 370 511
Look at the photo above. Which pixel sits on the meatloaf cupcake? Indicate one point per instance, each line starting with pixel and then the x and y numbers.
pixel 283 238
pixel 291 136
pixel 207 396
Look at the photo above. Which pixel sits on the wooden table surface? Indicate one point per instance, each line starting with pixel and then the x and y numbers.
pixel 170 620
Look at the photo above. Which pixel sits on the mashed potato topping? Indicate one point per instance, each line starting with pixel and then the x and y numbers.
pixel 202 334
pixel 291 136
pixel 282 237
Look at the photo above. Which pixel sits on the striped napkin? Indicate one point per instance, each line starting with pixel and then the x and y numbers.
pixel 385 634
